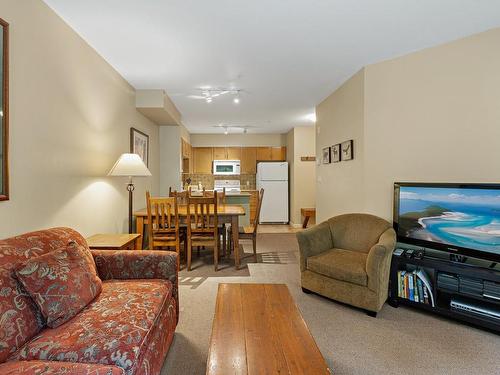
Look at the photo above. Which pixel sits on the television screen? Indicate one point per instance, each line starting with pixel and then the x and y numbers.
pixel 451 217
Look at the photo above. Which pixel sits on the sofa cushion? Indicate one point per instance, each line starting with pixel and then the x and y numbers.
pixel 344 265
pixel 61 282
pixel 57 368
pixel 117 328
pixel 20 319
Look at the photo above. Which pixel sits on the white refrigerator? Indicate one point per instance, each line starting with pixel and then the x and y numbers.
pixel 273 178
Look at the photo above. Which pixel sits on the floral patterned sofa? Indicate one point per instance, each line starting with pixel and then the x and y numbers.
pixel 126 329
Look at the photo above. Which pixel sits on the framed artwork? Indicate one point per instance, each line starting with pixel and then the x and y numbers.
pixel 336 153
pixel 4 110
pixel 326 155
pixel 346 150
pixel 139 144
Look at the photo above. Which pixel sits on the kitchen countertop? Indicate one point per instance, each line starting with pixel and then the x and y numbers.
pixel 228 194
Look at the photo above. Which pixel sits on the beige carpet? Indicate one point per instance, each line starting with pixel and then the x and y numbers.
pixel 399 341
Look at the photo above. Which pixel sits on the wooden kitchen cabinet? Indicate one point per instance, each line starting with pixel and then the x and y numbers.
pixel 233 153
pixel 227 153
pixel 248 160
pixel 271 153
pixel 219 153
pixel 203 157
pixel 264 153
pixel 278 153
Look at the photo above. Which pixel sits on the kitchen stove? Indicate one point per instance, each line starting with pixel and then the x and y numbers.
pixel 232 186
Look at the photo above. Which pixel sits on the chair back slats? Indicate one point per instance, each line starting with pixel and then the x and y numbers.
pixel 163 216
pixel 202 215
pixel 180 195
pixel 257 212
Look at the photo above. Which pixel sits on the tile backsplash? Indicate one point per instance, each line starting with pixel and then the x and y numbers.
pixel 247 181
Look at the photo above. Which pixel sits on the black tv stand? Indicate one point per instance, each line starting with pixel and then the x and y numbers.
pixel 468 290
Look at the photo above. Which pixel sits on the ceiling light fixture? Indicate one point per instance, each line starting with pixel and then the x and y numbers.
pixel 210 93
pixel 226 131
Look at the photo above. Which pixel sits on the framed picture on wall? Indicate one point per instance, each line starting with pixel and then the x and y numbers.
pixel 336 153
pixel 139 144
pixel 326 155
pixel 346 150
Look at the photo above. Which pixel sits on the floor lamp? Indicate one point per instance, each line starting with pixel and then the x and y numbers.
pixel 129 165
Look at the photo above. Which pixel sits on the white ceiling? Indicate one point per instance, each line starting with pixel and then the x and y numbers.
pixel 287 54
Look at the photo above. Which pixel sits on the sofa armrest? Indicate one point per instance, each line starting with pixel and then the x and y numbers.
pixel 57 367
pixel 379 261
pixel 138 264
pixel 314 241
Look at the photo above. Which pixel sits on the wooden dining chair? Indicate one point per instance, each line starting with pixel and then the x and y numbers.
pixel 221 200
pixel 180 195
pixel 202 226
pixel 163 224
pixel 250 232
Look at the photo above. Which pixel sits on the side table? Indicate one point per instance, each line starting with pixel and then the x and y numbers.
pixel 115 241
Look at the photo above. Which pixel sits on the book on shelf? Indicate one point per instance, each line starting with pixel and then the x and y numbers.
pixel 415 286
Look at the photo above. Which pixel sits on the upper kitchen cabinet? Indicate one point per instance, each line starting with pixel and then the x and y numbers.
pixel 248 160
pixel 186 149
pixel 233 153
pixel 220 153
pixel 264 153
pixel 227 153
pixel 271 153
pixel 278 153
pixel 203 157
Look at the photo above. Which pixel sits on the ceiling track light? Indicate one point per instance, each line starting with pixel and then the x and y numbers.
pixel 210 93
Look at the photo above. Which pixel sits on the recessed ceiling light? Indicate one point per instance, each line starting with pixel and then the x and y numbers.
pixel 236 100
pixel 209 100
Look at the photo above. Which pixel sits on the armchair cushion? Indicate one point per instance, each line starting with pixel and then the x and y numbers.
pixel 344 265
pixel 61 282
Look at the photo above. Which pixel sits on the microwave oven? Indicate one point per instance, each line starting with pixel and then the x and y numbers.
pixel 226 167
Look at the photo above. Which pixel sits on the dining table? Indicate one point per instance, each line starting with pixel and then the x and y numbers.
pixel 226 213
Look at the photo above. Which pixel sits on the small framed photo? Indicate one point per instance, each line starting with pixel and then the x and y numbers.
pixel 326 155
pixel 139 144
pixel 346 150
pixel 336 153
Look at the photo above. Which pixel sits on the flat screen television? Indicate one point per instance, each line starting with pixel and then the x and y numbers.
pixel 457 218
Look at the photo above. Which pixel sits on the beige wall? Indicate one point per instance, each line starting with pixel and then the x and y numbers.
pixel 170 158
pixel 429 116
pixel 301 142
pixel 340 117
pixel 207 140
pixel 70 119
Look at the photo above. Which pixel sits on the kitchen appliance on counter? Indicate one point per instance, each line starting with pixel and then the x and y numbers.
pixel 232 186
pixel 273 177
pixel 226 167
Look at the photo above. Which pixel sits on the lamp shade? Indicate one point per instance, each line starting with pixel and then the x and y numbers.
pixel 130 165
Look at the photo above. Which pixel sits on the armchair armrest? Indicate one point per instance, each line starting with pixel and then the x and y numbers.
pixel 139 264
pixel 379 261
pixel 314 241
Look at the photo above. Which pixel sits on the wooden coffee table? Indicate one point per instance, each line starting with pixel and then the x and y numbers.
pixel 258 329
pixel 115 241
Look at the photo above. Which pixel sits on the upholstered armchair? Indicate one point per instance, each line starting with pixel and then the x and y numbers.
pixel 347 258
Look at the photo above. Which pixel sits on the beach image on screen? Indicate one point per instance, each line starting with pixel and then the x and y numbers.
pixel 467 218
